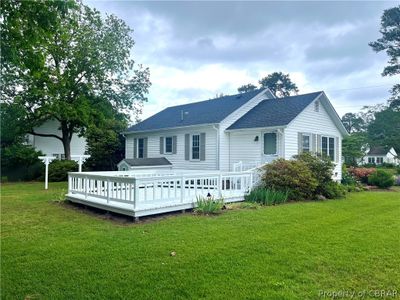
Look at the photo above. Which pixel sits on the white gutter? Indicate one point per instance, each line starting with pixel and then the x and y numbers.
pixel 169 128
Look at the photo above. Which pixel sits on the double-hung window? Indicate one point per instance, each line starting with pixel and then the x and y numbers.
pixel 328 147
pixel 140 148
pixel 195 146
pixel 168 145
pixel 305 143
pixel 371 160
pixel 379 160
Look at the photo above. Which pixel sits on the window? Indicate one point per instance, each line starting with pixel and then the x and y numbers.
pixel 379 160
pixel 168 145
pixel 316 106
pixel 270 143
pixel 328 147
pixel 305 143
pixel 140 148
pixel 371 160
pixel 196 146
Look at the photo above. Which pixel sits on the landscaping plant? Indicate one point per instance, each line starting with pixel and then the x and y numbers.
pixel 58 169
pixel 381 179
pixel 208 205
pixel 265 196
pixel 362 173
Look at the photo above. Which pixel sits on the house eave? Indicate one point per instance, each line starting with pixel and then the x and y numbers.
pixel 168 128
pixel 256 128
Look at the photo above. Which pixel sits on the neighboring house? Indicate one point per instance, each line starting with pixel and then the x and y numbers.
pixel 51 146
pixel 379 155
pixel 252 128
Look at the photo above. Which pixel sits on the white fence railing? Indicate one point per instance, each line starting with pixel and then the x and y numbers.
pixel 143 190
pixel 245 166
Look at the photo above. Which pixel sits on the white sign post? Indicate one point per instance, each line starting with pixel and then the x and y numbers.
pixel 80 159
pixel 46 160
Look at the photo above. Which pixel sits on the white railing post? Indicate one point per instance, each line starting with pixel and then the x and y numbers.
pixel 220 185
pixel 135 193
pixel 251 182
pixel 108 190
pixel 182 189
pixel 86 184
pixel 70 187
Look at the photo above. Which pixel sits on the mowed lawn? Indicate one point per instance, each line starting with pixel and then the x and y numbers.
pixel 294 251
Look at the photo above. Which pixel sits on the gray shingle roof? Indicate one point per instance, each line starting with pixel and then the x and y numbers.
pixel 139 162
pixel 274 112
pixel 378 150
pixel 204 112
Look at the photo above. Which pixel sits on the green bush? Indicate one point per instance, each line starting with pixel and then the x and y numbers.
pixel 58 169
pixel 334 190
pixel 347 178
pixel 209 205
pixel 267 196
pixel 381 179
pixel 20 163
pixel 293 176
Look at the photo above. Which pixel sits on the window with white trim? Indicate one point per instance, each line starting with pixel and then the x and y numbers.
pixel 379 160
pixel 168 145
pixel 305 143
pixel 371 160
pixel 328 146
pixel 140 148
pixel 270 143
pixel 196 146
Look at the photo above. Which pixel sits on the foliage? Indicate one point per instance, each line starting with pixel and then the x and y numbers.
pixel 334 190
pixel 208 205
pixel 280 84
pixel 20 162
pixel 381 179
pixel 58 169
pixel 105 144
pixel 353 122
pixel 62 60
pixel 247 88
pixel 384 130
pixel 389 42
pixel 347 178
pixel 397 181
pixel 321 168
pixel 353 147
pixel 290 175
pixel 361 173
pixel 267 196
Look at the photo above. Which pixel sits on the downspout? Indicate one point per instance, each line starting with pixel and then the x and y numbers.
pixel 216 127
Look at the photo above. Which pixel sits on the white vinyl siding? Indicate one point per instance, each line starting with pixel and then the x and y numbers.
pixel 178 159
pixel 319 123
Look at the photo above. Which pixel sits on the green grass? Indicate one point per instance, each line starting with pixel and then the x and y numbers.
pixel 292 251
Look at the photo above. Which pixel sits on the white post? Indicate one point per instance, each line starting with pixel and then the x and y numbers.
pixel 182 189
pixel 46 160
pixel 135 193
pixel 80 159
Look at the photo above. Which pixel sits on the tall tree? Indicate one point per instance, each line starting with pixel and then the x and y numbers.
pixel 354 147
pixel 59 59
pixel 247 88
pixel 280 84
pixel 384 130
pixel 352 122
pixel 390 42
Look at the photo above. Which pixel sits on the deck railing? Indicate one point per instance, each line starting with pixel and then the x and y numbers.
pixel 158 189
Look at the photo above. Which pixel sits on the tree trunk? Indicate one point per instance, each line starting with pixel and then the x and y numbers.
pixel 66 140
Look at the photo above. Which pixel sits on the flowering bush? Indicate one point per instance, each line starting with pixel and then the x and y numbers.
pixel 362 173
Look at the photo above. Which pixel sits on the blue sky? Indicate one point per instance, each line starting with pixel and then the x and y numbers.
pixel 197 49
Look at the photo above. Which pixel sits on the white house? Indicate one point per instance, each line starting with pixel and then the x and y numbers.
pixel 250 128
pixel 51 146
pixel 379 155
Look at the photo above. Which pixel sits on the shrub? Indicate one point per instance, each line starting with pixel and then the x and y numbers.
pixel 387 165
pixel 20 162
pixel 381 179
pixel 58 169
pixel 361 173
pixel 397 181
pixel 267 196
pixel 293 176
pixel 334 190
pixel 347 178
pixel 209 205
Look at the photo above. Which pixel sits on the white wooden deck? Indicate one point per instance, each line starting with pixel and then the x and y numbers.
pixel 148 192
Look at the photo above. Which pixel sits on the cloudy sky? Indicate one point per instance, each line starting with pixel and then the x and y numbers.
pixel 197 49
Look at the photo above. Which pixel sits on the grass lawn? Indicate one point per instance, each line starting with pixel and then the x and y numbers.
pixel 52 251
